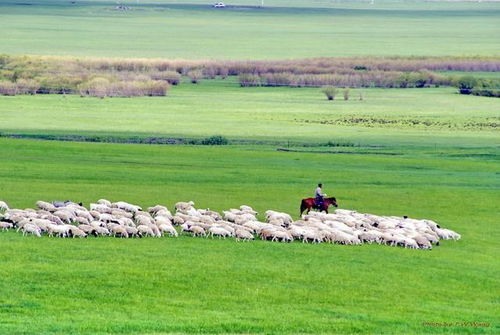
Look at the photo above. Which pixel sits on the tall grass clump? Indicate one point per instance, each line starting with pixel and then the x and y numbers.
pixel 346 93
pixel 195 76
pixel 248 80
pixel 155 88
pixel 330 92
pixel 171 77
pixel 8 88
pixel 28 86
pixel 96 87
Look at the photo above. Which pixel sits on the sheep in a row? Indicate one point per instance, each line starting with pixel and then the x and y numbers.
pixel 122 219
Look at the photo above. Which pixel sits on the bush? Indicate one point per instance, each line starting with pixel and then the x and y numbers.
pixel 346 93
pixel 466 84
pixel 127 89
pixel 96 87
pixel 8 88
pixel 155 88
pixel 195 76
pixel 330 92
pixel 27 86
pixel 486 92
pixel 247 80
pixel 171 77
pixel 215 140
pixel 278 79
pixel 223 72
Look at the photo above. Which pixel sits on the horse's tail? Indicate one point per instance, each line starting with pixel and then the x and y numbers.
pixel 303 207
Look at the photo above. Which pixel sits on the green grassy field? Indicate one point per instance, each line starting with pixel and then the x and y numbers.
pixel 385 116
pixel 108 285
pixel 426 153
pixel 194 30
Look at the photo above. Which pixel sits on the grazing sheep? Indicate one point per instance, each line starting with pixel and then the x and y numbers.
pixel 61 231
pixel 422 242
pixel 143 220
pixel 65 216
pixel 183 206
pixel 46 206
pixel 104 202
pixel 164 213
pixel 77 232
pixel 157 208
pixel 243 234
pixel 31 229
pixel 81 220
pixel 6 225
pixel 126 206
pixel 178 220
pixel 145 231
pixel 4 206
pixel 118 230
pixel 248 209
pixel 120 218
pixel 281 236
pixel 197 231
pixel 168 228
pixel 100 208
pixel 218 231
pixel 132 231
pixel 103 231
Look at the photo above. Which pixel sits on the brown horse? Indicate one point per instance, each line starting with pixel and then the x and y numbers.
pixel 310 203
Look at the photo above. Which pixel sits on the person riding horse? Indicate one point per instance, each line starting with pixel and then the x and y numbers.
pixel 319 196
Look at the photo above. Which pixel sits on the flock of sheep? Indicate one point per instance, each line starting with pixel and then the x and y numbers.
pixel 122 219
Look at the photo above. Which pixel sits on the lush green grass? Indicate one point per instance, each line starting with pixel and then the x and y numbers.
pixel 108 285
pixel 300 115
pixel 194 30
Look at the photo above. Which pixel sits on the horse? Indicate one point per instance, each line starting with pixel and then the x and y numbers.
pixel 309 203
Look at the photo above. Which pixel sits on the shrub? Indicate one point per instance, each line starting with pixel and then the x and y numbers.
pixel 209 72
pixel 215 140
pixel 96 87
pixel 278 79
pixel 8 88
pixel 127 89
pixel 223 72
pixel 27 86
pixel 155 88
pixel 171 77
pixel 330 92
pixel 195 76
pixel 60 83
pixel 247 80
pixel 346 93
pixel 486 92
pixel 466 84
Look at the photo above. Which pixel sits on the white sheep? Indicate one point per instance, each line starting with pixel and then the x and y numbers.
pixel 119 230
pixel 47 206
pixel 6 225
pixel 183 206
pixel 243 234
pixel 145 230
pixel 197 231
pixel 31 229
pixel 168 228
pixel 218 231
pixel 104 202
